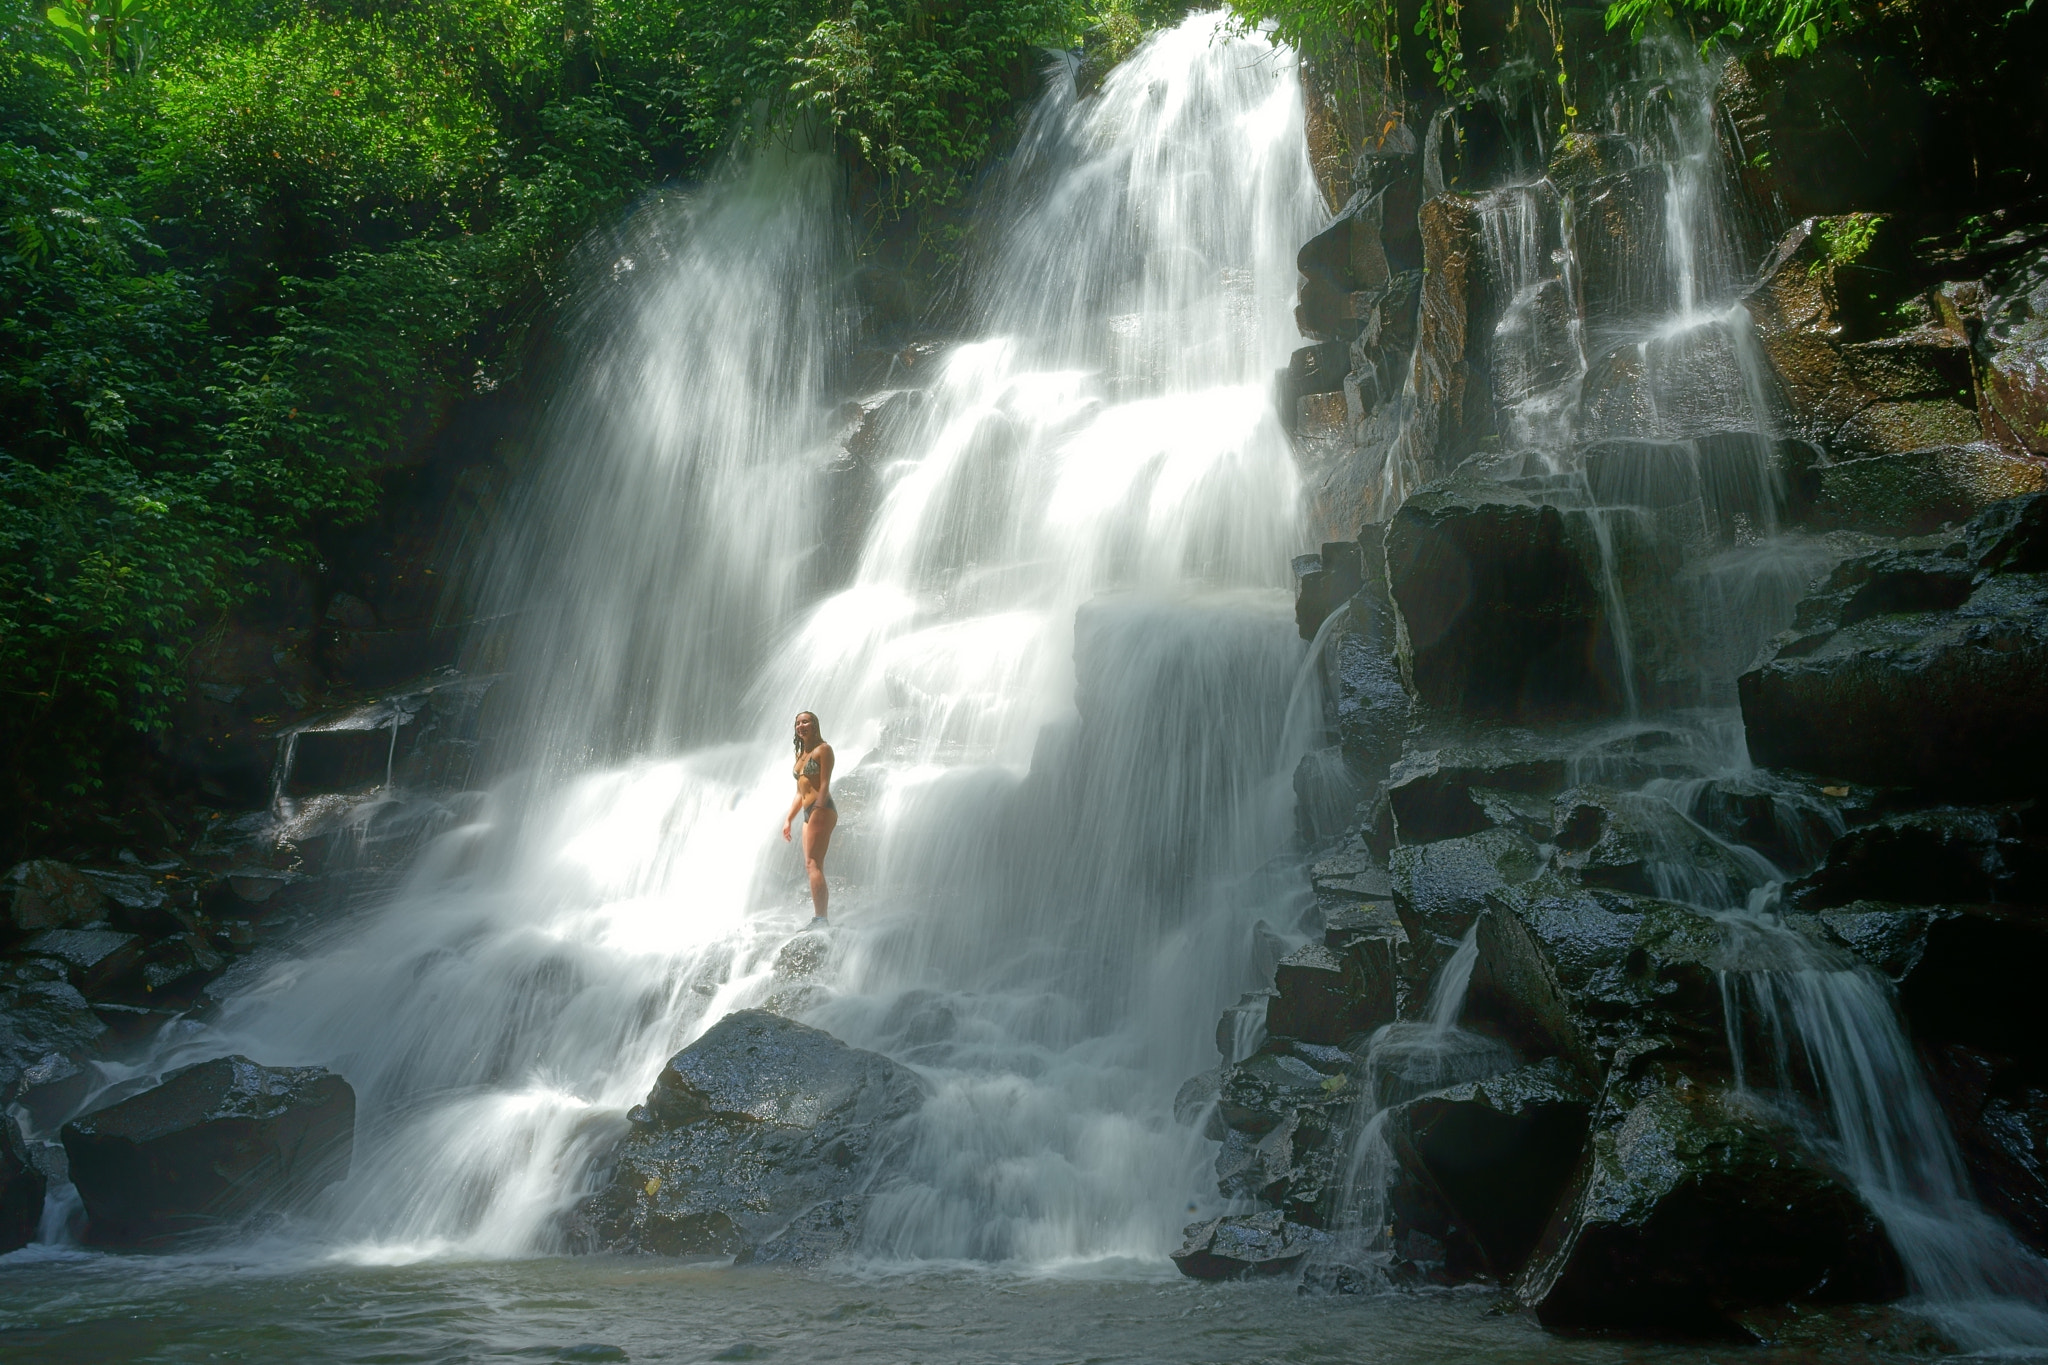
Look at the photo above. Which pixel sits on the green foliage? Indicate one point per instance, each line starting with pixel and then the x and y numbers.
pixel 921 90
pixel 1846 239
pixel 1787 28
pixel 253 250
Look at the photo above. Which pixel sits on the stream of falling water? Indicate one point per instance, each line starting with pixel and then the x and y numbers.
pixel 1056 682
pixel 1632 392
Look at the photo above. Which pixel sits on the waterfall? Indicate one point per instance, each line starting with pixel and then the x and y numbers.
pixel 1055 665
pixel 1630 392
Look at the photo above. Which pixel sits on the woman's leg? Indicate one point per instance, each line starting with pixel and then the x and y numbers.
pixel 818 838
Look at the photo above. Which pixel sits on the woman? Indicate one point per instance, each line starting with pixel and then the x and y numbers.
pixel 813 774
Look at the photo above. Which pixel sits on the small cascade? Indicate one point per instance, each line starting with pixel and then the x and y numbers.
pixel 1606 817
pixel 1402 1061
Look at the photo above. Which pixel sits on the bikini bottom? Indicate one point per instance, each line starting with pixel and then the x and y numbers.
pixel 829 803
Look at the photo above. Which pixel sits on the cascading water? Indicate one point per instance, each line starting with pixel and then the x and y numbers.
pixel 1631 391
pixel 1056 682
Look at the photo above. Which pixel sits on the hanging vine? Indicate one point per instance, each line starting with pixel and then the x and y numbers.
pixel 1437 25
pixel 1547 11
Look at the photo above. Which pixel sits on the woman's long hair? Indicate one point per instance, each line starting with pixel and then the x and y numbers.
pixel 796 740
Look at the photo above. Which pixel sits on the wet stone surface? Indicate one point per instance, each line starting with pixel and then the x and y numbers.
pixel 755 1139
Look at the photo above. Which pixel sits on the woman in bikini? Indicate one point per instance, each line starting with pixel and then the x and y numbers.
pixel 813 774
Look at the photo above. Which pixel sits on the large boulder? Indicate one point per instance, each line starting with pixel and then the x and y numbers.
pixel 2013 340
pixel 47 1028
pixel 1692 1202
pixel 1939 855
pixel 1965 978
pixel 1500 601
pixel 1243 1245
pixel 1582 973
pixel 214 1144
pixel 1328 994
pixel 1928 479
pixel 1922 666
pixel 1497 1152
pixel 746 1138
pixel 1280 1110
pixel 22 1185
pixel 45 894
pixel 1440 889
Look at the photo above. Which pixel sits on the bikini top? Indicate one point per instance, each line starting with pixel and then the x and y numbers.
pixel 810 768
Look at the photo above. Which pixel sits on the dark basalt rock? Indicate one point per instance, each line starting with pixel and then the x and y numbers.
pixel 1501 609
pixel 94 959
pixel 46 1026
pixel 1443 792
pixel 46 894
pixel 1627 841
pixel 1925 666
pixel 1582 973
pixel 1440 889
pixel 1324 582
pixel 22 1186
pixel 1276 1114
pixel 214 1144
pixel 1688 1205
pixel 1947 853
pixel 1266 1089
pixel 746 1136
pixel 1497 1152
pixel 1327 996
pixel 1245 1244
pixel 1918 472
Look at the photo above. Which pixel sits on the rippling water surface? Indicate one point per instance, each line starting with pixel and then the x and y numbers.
pixel 109 1308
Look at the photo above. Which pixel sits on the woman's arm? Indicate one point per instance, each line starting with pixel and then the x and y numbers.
pixel 796 803
pixel 824 773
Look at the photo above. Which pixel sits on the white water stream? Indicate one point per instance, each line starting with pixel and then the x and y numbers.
pixel 1056 684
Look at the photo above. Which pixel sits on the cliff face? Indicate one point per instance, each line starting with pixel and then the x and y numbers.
pixel 1681 462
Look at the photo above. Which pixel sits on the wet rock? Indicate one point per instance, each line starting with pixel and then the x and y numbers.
pixel 1243 1026
pixel 1944 854
pixel 2013 342
pixel 820 1233
pixel 1453 401
pixel 1350 876
pixel 214 1144
pixel 179 965
pixel 1581 973
pixel 1327 790
pixel 1627 841
pixel 1925 666
pixel 1921 481
pixel 1194 1104
pixel 22 1186
pixel 1860 1329
pixel 135 902
pixel 1328 997
pixel 46 894
pixel 1690 1204
pixel 1325 582
pixel 757 1122
pixel 1372 704
pixel 1431 791
pixel 1268 1088
pixel 1293 1167
pixel 1242 1245
pixel 46 1027
pixel 1440 889
pixel 94 959
pixel 1997 1107
pixel 1498 1152
pixel 1500 605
